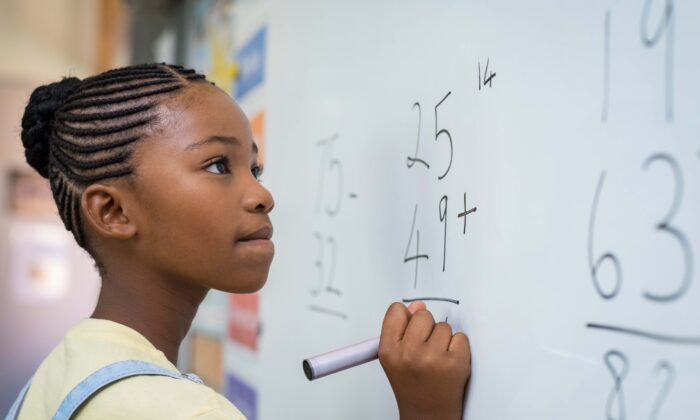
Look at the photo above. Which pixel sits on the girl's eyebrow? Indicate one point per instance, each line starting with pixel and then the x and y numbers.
pixel 226 140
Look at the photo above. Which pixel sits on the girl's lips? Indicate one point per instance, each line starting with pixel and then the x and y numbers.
pixel 256 242
pixel 263 233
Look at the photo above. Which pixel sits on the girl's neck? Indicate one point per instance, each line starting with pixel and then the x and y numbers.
pixel 159 309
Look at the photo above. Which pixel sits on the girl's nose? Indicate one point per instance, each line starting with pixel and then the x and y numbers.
pixel 258 199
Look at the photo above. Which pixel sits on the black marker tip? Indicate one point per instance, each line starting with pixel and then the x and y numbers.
pixel 308 371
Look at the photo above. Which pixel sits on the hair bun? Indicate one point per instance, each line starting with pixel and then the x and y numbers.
pixel 37 121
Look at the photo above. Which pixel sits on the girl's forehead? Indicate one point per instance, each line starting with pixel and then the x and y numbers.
pixel 204 111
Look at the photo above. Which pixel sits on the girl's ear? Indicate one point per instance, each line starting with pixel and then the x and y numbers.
pixel 103 208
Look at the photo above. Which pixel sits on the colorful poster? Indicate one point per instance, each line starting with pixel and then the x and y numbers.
pixel 207 359
pixel 257 125
pixel 244 322
pixel 211 48
pixel 243 396
pixel 211 315
pixel 251 63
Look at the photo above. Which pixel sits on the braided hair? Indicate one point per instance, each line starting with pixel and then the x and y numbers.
pixel 77 132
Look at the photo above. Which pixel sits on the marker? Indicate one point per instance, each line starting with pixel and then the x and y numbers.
pixel 341 359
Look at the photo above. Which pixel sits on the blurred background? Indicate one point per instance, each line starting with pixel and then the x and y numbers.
pixel 47 283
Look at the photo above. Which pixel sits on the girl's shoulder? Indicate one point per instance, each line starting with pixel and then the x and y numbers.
pixel 93 344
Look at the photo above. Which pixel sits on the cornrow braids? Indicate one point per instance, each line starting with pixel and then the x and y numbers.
pixel 77 132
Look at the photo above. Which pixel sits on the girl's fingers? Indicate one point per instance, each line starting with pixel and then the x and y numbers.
pixel 459 344
pixel 419 328
pixel 416 306
pixel 441 336
pixel 395 322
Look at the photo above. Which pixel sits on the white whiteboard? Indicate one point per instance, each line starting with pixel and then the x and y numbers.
pixel 579 108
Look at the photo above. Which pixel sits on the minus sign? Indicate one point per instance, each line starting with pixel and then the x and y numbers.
pixel 328 311
pixel 352 195
pixel 438 299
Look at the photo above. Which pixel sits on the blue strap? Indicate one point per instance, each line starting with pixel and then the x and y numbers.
pixel 98 380
pixel 107 375
pixel 14 410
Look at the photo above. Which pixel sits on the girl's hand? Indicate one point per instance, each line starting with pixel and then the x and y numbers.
pixel 427 366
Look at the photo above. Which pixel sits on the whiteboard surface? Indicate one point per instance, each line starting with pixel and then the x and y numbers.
pixel 579 108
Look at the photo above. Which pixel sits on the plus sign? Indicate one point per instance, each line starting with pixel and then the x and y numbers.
pixel 465 213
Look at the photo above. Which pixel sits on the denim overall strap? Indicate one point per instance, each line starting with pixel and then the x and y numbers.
pixel 108 375
pixel 14 410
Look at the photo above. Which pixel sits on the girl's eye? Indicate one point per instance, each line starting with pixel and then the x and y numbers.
pixel 218 167
pixel 257 171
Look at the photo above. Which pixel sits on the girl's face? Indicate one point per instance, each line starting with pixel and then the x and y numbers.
pixel 201 214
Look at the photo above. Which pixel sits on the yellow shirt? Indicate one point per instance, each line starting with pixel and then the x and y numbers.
pixel 95 343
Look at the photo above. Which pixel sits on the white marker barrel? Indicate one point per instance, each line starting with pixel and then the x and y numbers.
pixel 341 359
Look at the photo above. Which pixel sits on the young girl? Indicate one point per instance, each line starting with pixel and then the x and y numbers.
pixel 154 172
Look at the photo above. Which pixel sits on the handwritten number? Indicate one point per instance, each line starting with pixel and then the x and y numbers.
pixel 331 170
pixel 618 365
pixel 335 164
pixel 323 277
pixel 608 256
pixel 616 399
pixel 488 77
pixel 443 131
pixel 666 27
pixel 664 23
pixel 331 275
pixel 670 376
pixel 410 161
pixel 665 226
pixel 417 255
pixel 442 207
pixel 443 218
pixel 329 164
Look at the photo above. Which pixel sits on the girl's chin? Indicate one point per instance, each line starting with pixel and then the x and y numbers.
pixel 249 284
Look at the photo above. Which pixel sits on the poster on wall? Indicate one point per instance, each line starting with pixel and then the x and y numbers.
pixel 244 322
pixel 211 315
pixel 211 42
pixel 39 255
pixel 251 62
pixel 257 126
pixel 207 358
pixel 242 395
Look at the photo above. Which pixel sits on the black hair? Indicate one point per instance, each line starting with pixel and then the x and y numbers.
pixel 77 132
